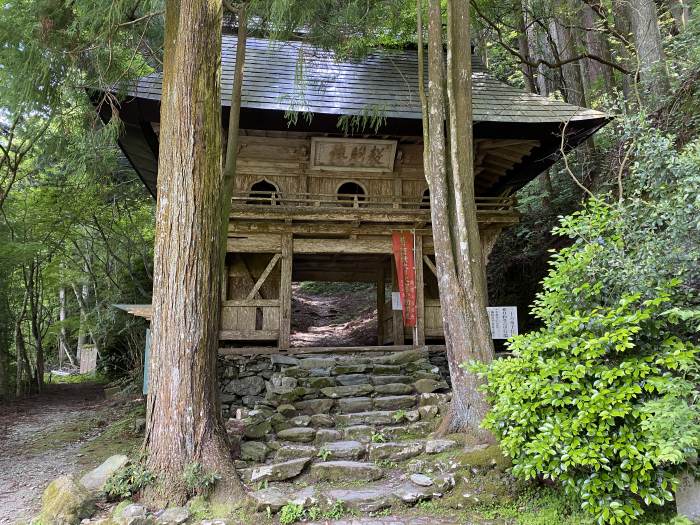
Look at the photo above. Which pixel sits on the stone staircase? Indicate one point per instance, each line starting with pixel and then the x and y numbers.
pixel 349 429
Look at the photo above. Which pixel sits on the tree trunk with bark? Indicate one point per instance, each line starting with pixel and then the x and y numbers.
pixel 644 23
pixel 597 44
pixel 5 333
pixel 574 91
pixel 459 258
pixel 63 346
pixel 184 425
pixel 622 28
pixel 680 10
pixel 35 305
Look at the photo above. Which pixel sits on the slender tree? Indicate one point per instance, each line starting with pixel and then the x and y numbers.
pixel 184 422
pixel 449 169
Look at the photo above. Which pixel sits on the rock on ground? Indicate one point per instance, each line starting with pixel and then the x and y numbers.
pixel 95 479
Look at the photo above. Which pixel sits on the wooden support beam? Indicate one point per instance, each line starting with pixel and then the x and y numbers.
pixel 397 315
pixel 258 303
pixel 419 330
pixel 380 303
pixel 286 290
pixel 263 276
pixel 429 263
pixel 360 246
pixel 248 335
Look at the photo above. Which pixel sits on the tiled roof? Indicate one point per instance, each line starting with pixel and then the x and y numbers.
pixel 295 76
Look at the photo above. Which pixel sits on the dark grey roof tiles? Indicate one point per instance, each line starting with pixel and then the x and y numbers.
pixel 295 76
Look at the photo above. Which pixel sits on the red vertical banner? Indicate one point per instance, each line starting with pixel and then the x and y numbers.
pixel 402 244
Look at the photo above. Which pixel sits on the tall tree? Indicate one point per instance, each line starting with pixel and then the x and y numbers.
pixel 598 72
pixel 449 169
pixel 184 423
pixel 644 22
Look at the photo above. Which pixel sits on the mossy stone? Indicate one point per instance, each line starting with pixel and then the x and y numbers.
pixel 483 457
pixel 66 502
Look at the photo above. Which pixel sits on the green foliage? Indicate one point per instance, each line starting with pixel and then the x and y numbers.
pixel 128 481
pixel 378 437
pixel 399 415
pixel 198 480
pixel 324 453
pixel 599 400
pixel 291 513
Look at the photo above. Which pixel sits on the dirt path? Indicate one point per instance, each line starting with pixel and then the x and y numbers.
pixel 39 440
pixel 341 316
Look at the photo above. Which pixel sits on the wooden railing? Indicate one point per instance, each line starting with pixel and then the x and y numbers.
pixel 339 200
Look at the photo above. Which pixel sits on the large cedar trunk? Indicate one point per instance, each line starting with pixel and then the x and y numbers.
pixel 184 422
pixel 459 258
pixel 597 44
pixel 650 55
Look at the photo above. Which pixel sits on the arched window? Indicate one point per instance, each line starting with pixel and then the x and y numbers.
pixel 425 200
pixel 264 192
pixel 351 194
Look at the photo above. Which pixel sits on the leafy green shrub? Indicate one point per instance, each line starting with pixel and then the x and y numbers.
pixel 291 513
pixel 127 481
pixel 197 480
pixel 599 399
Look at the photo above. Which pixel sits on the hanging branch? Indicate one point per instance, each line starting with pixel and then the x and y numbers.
pixel 540 61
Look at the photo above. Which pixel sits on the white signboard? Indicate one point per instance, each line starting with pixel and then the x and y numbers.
pixel 504 321
pixel 396 301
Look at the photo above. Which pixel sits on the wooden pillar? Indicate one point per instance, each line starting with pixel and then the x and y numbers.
pixel 419 330
pixel 397 316
pixel 381 299
pixel 286 290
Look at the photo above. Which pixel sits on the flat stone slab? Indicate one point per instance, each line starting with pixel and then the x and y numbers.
pixel 336 392
pixel 294 451
pixel 297 434
pixel 343 450
pixel 421 480
pixel 279 471
pixel 322 420
pixel 270 498
pixel 435 446
pixel 428 386
pixel 394 389
pixel 362 433
pixel 394 402
pixel 401 358
pixel 347 368
pixel 411 493
pixel 377 417
pixel 395 450
pixel 327 435
pixel 385 380
pixel 370 499
pixel 352 405
pixel 345 471
pixel 353 379
pixel 314 406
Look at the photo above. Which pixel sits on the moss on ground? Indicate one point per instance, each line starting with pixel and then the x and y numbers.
pixel 59 436
pixel 124 436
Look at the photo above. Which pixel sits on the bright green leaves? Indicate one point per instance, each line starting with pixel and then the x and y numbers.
pixel 599 400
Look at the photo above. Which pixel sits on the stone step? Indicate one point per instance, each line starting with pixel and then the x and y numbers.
pixel 335 450
pixel 275 471
pixel 376 417
pixel 372 497
pixel 395 450
pixel 345 470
